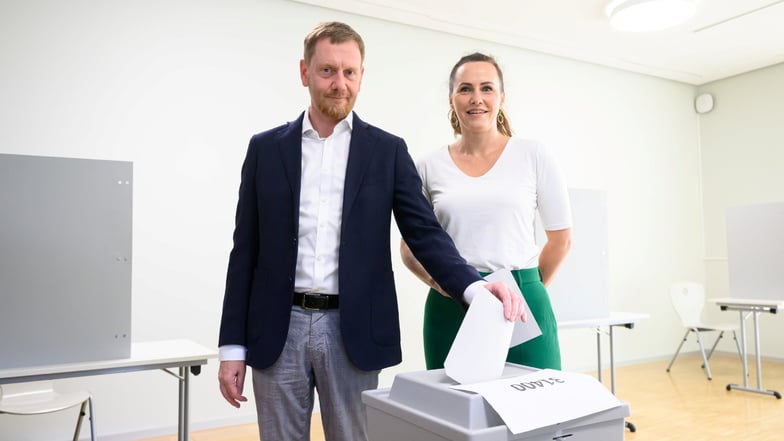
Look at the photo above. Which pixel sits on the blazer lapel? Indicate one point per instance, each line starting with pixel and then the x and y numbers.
pixel 359 153
pixel 290 148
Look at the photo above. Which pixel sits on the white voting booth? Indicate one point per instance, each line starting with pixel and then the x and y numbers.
pixel 425 406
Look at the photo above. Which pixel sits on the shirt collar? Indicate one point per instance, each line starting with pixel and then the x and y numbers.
pixel 308 130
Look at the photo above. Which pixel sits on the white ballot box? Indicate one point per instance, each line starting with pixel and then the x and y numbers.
pixel 424 406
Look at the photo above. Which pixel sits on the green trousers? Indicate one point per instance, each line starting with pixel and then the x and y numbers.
pixel 443 318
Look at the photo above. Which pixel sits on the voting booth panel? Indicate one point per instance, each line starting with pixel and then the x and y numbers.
pixel 423 406
pixel 65 260
pixel 581 289
pixel 755 251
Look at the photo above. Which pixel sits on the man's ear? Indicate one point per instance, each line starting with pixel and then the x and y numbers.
pixel 303 73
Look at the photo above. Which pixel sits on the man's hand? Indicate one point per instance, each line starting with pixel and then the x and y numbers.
pixel 231 376
pixel 513 303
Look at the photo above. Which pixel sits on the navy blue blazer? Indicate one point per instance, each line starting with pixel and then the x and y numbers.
pixel 381 180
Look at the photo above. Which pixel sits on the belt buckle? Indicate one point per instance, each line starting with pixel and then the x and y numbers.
pixel 305 297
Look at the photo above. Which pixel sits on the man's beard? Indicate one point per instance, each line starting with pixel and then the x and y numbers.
pixel 335 111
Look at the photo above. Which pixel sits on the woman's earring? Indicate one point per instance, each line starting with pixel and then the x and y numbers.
pixel 501 118
pixel 453 119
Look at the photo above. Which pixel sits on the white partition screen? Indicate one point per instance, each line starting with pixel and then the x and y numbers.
pixel 65 260
pixel 581 289
pixel 755 251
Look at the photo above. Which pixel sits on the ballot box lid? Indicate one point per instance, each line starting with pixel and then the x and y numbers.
pixel 430 393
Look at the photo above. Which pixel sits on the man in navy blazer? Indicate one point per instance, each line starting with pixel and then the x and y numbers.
pixel 310 297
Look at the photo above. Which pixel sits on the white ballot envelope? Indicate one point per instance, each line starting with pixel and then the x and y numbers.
pixel 523 331
pixel 485 336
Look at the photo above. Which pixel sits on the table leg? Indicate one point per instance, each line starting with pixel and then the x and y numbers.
pixel 629 425
pixel 612 362
pixel 183 433
pixel 599 353
pixel 745 350
pixel 757 358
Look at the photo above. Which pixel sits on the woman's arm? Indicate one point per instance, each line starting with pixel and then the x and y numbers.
pixel 553 253
pixel 415 267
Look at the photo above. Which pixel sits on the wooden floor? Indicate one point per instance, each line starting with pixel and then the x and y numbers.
pixel 679 405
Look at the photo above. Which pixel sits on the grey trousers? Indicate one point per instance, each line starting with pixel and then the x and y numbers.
pixel 313 357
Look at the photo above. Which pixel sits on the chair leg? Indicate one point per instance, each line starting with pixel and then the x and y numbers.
pixel 737 346
pixel 79 421
pixel 704 358
pixel 715 343
pixel 685 336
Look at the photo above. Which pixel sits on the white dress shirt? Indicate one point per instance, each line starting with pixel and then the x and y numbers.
pixel 321 207
pixel 324 163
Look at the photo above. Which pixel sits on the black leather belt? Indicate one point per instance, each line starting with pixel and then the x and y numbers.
pixel 316 301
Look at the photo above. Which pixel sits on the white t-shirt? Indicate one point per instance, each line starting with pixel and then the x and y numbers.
pixel 491 218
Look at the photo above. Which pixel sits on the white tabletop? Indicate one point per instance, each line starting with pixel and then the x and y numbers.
pixel 614 319
pixel 144 355
pixel 755 303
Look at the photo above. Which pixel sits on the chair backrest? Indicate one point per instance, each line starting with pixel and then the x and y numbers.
pixel 688 299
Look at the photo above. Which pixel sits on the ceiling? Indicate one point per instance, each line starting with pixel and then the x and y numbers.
pixel 725 38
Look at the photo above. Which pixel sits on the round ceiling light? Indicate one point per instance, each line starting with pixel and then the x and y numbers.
pixel 649 15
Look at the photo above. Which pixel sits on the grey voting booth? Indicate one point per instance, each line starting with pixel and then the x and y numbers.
pixel 422 406
pixel 65 260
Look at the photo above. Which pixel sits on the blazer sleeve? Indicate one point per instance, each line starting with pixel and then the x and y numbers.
pixel 242 259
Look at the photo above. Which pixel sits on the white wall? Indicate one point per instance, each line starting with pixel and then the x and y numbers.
pixel 742 164
pixel 179 86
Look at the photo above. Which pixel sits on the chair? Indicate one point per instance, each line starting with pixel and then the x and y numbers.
pixel 688 298
pixel 35 398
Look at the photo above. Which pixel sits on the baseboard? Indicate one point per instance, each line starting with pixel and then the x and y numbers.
pixel 170 430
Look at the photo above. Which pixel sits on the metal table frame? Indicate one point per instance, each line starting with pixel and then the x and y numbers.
pixel 753 308
pixel 625 319
pixel 185 355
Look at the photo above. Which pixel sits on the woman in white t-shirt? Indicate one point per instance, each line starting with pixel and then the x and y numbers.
pixel 486 188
